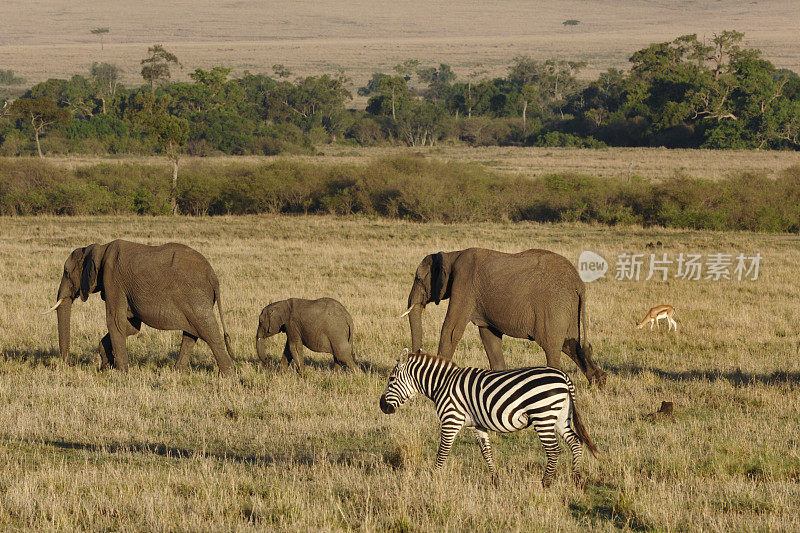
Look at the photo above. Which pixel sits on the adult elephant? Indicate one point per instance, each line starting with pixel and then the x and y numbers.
pixel 169 287
pixel 535 294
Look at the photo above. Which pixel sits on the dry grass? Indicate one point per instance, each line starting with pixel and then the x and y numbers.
pixel 39 40
pixel 155 450
pixel 653 163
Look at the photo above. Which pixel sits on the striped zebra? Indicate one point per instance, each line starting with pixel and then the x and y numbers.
pixel 486 400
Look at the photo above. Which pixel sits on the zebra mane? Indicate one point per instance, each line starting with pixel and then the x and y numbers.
pixel 422 355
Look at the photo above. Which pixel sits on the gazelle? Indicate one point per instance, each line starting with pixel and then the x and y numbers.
pixel 657 313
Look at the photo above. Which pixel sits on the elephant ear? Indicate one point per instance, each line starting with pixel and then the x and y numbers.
pixel 272 326
pixel 91 266
pixel 278 316
pixel 438 278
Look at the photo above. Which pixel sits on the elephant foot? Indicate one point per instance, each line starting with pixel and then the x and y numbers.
pixel 227 371
pixel 598 378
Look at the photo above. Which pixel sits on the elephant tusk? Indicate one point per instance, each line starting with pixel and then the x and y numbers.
pixel 408 310
pixel 54 307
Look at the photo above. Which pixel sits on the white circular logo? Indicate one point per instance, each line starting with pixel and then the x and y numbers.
pixel 591 266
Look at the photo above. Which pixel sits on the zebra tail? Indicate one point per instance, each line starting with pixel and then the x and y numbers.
pixel 580 430
pixel 577 423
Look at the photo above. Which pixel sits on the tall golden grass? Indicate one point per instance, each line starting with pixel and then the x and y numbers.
pixel 157 450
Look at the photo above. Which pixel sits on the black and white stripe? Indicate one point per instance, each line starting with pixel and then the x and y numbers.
pixel 486 400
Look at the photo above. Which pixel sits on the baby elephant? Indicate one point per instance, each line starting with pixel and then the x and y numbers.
pixel 322 325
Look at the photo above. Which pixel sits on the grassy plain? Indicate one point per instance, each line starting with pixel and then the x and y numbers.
pixel 155 450
pixel 40 40
pixel 652 163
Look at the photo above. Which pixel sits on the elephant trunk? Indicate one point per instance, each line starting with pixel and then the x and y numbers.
pixel 415 320
pixel 415 307
pixel 261 349
pixel 64 312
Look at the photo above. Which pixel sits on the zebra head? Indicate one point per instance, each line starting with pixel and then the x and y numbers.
pixel 399 389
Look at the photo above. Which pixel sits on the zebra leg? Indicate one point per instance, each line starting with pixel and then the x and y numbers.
pixel 450 429
pixel 548 437
pixel 565 430
pixel 486 451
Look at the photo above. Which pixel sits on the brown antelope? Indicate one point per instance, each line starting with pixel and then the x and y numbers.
pixel 657 313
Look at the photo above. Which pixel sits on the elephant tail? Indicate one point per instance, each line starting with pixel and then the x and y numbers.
pixel 582 319
pixel 218 298
pixel 349 330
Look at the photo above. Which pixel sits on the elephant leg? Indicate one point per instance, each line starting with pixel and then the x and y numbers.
pixel 286 359
pixel 187 344
pixel 106 353
pixel 118 348
pixel 208 330
pixel 296 351
pixel 552 353
pixel 134 325
pixel 583 359
pixel 493 344
pixel 572 349
pixel 455 321
pixel 106 348
pixel 343 355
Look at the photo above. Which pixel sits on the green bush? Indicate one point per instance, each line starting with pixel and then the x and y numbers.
pixel 407 187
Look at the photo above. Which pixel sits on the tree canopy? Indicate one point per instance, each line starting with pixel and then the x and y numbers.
pixel 688 92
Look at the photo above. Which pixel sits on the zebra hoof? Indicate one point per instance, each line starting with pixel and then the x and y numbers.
pixel 547 481
pixel 495 480
pixel 578 480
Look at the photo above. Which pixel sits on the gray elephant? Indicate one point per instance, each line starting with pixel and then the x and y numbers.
pixel 322 325
pixel 535 294
pixel 170 287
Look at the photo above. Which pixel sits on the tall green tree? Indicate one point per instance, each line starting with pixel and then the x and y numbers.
pixel 527 74
pixel 440 81
pixel 151 113
pixel 156 66
pixel 105 78
pixel 41 113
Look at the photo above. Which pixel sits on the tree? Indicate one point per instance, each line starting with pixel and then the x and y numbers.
pixel 526 74
pixel 560 81
pixel 7 77
pixel 100 32
pixel 373 86
pixel 420 123
pixel 281 71
pixel 41 113
pixel 156 66
pixel 151 113
pixel 393 88
pixel 76 93
pixel 396 87
pixel 439 81
pixel 477 72
pixel 105 77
